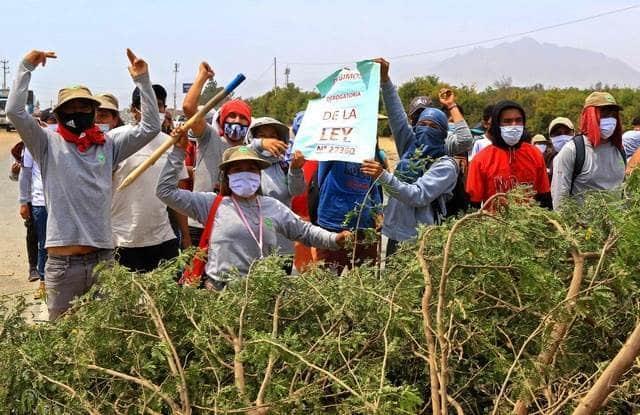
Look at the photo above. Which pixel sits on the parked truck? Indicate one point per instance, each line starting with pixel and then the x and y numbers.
pixel 4 120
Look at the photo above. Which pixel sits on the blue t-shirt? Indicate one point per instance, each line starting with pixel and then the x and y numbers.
pixel 343 189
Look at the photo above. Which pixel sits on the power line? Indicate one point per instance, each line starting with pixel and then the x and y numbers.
pixel 489 40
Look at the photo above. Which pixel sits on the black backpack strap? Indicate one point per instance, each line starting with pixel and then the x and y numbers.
pixel 578 163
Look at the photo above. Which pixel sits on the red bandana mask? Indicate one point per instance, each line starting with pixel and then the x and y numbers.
pixel 85 140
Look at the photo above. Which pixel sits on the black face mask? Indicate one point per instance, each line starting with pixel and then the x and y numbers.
pixel 77 122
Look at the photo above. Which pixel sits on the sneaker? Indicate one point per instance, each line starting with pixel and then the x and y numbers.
pixel 41 292
pixel 33 275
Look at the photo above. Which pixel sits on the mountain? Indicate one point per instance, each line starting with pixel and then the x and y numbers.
pixel 528 62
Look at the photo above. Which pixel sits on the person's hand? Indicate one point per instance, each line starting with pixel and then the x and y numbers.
pixel 25 212
pixel 447 97
pixel 37 57
pixel 186 241
pixel 372 168
pixel 274 146
pixel 138 66
pixel 298 160
pixel 205 72
pixel 343 238
pixel 183 140
pixel 384 69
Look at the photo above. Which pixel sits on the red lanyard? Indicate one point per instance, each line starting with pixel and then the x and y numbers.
pixel 246 223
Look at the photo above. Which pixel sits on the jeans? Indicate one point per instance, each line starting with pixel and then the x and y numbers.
pixel 67 277
pixel 39 214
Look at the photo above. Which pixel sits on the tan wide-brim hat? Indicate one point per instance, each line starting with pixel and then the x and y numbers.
pixel 239 153
pixel 108 102
pixel 283 130
pixel 539 139
pixel 560 121
pixel 74 92
pixel 601 99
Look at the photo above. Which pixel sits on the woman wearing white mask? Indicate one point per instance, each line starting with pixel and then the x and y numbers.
pixel 245 223
pixel 599 147
pixel 511 161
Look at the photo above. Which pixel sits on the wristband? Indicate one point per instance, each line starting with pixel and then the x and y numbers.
pixel 452 107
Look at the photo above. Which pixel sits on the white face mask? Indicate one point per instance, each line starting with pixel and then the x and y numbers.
pixel 559 141
pixel 244 183
pixel 607 127
pixel 511 134
pixel 52 127
pixel 103 127
pixel 541 147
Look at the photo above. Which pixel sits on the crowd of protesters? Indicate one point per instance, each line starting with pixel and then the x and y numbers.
pixel 232 185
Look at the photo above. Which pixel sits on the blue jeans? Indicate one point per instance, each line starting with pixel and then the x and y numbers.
pixel 39 214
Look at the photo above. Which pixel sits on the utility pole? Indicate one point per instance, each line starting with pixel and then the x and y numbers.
pixel 287 71
pixel 275 73
pixel 175 85
pixel 5 71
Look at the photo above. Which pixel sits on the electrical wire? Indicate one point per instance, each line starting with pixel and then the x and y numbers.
pixel 489 40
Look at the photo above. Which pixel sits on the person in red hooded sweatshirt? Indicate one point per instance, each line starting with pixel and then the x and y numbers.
pixel 600 145
pixel 233 122
pixel 510 161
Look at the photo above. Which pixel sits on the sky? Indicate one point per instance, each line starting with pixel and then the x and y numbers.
pixel 311 38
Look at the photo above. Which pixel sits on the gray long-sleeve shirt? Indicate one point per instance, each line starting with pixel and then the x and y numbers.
pixel 603 170
pixel 209 150
pixel 410 203
pixel 231 246
pixel 458 141
pixel 78 186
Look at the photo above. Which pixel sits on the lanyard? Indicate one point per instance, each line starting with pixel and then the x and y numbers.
pixel 246 223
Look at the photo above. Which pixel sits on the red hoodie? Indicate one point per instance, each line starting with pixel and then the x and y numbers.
pixel 497 170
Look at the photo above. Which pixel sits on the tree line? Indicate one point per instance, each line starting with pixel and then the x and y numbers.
pixel 541 104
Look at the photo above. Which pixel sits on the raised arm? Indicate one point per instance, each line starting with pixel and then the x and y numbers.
pixel 295 178
pixel 190 103
pixel 34 137
pixel 127 142
pixel 460 140
pixel 398 122
pixel 193 204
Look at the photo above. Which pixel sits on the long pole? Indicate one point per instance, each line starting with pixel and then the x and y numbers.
pixel 175 85
pixel 275 73
pixel 181 129
pixel 5 71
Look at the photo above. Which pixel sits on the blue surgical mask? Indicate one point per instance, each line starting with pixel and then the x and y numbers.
pixel 541 147
pixel 103 127
pixel 511 134
pixel 559 141
pixel 607 127
pixel 235 131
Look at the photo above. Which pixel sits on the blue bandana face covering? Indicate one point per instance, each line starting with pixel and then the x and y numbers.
pixel 235 131
pixel 429 142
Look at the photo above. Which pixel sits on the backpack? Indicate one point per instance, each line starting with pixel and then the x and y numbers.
pixel 578 163
pixel 459 202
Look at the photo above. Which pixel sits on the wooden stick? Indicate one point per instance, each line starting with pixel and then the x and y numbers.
pixel 184 127
pixel 606 383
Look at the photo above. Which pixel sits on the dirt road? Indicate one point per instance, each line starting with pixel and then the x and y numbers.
pixel 13 253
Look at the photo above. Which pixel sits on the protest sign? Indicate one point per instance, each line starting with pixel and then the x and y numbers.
pixel 343 123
